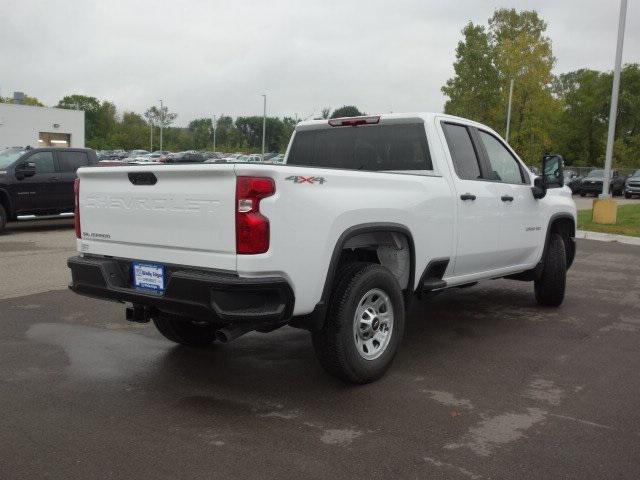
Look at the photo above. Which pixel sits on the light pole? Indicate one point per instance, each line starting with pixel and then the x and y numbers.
pixel 214 133
pixel 151 127
pixel 161 122
pixel 614 101
pixel 264 123
pixel 509 111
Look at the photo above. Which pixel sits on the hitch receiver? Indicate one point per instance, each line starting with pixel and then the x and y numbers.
pixel 138 314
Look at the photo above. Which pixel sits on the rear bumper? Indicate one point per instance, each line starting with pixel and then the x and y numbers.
pixel 223 298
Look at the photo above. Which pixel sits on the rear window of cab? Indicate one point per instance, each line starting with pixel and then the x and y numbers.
pixel 366 147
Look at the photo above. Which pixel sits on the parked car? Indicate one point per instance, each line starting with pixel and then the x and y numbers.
pixel 183 157
pixel 632 185
pixel 383 208
pixel 572 180
pixel 137 153
pixel 592 183
pixel 39 182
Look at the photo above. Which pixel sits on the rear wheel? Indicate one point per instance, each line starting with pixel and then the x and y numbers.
pixel 3 218
pixel 550 287
pixel 364 325
pixel 582 194
pixel 185 331
pixel 627 195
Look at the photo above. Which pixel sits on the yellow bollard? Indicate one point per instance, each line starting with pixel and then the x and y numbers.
pixel 605 211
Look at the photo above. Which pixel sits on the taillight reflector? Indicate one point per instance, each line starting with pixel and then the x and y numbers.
pixel 252 228
pixel 76 206
pixel 353 121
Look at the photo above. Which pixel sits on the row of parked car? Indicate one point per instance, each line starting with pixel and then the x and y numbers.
pixel 115 157
pixel 591 184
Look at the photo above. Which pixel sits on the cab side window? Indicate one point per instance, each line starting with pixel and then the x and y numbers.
pixel 72 161
pixel 463 153
pixel 503 167
pixel 43 162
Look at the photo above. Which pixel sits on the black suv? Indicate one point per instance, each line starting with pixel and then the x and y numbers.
pixel 592 183
pixel 39 181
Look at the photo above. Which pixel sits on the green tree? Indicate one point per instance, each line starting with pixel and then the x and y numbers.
pixel 523 53
pixel 251 130
pixel 202 131
pixel 99 118
pixel 346 111
pixel 26 100
pixel 513 47
pixel 474 91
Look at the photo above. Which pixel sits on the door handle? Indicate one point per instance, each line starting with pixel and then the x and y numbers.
pixel 507 198
pixel 467 196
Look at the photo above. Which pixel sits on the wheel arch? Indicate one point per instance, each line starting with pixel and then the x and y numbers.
pixel 565 225
pixel 315 319
pixel 5 201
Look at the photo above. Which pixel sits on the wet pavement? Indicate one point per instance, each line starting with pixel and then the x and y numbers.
pixel 486 385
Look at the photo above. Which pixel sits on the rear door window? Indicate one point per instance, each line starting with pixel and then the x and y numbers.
pixel 373 148
pixel 463 154
pixel 71 161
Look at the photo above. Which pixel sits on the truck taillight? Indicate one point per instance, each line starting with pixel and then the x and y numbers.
pixel 76 206
pixel 252 228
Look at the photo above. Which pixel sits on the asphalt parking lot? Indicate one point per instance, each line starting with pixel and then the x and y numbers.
pixel 487 385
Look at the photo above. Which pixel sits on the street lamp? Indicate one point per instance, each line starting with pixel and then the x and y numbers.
pixel 509 111
pixel 614 101
pixel 264 123
pixel 214 133
pixel 161 122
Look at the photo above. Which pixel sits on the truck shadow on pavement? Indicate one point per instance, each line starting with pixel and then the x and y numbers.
pixel 34 226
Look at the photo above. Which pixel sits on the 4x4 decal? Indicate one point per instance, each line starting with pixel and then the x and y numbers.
pixel 311 180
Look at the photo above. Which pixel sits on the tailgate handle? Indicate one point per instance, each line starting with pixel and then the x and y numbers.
pixel 142 178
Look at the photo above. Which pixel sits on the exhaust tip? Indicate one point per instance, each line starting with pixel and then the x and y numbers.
pixel 227 334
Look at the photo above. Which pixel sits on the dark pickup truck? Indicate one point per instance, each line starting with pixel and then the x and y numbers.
pixel 38 182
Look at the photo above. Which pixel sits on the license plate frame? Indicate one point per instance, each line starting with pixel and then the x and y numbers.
pixel 148 276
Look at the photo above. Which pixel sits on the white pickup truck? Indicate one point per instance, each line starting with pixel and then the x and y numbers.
pixel 364 214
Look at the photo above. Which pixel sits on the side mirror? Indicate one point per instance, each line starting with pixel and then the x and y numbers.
pixel 539 188
pixel 24 170
pixel 553 171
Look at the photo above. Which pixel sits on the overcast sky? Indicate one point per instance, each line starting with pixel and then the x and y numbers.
pixel 208 56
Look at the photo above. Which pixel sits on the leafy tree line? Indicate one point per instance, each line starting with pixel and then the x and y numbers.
pixel 566 113
pixel 105 129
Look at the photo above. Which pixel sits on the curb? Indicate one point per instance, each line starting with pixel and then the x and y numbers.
pixel 607 237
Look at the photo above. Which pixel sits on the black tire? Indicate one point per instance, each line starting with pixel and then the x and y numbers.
pixel 582 194
pixel 627 195
pixel 550 287
pixel 335 343
pixel 185 331
pixel 3 219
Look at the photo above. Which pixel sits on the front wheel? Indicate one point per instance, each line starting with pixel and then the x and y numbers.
pixel 550 287
pixel 364 325
pixel 185 331
pixel 627 195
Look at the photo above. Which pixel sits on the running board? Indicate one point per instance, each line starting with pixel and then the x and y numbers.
pixel 44 217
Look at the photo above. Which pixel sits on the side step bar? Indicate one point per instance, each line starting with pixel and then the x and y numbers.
pixel 45 217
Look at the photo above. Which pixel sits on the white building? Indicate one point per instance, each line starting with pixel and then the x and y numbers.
pixel 25 125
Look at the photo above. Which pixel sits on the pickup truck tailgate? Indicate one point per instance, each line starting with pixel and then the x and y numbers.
pixel 178 214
